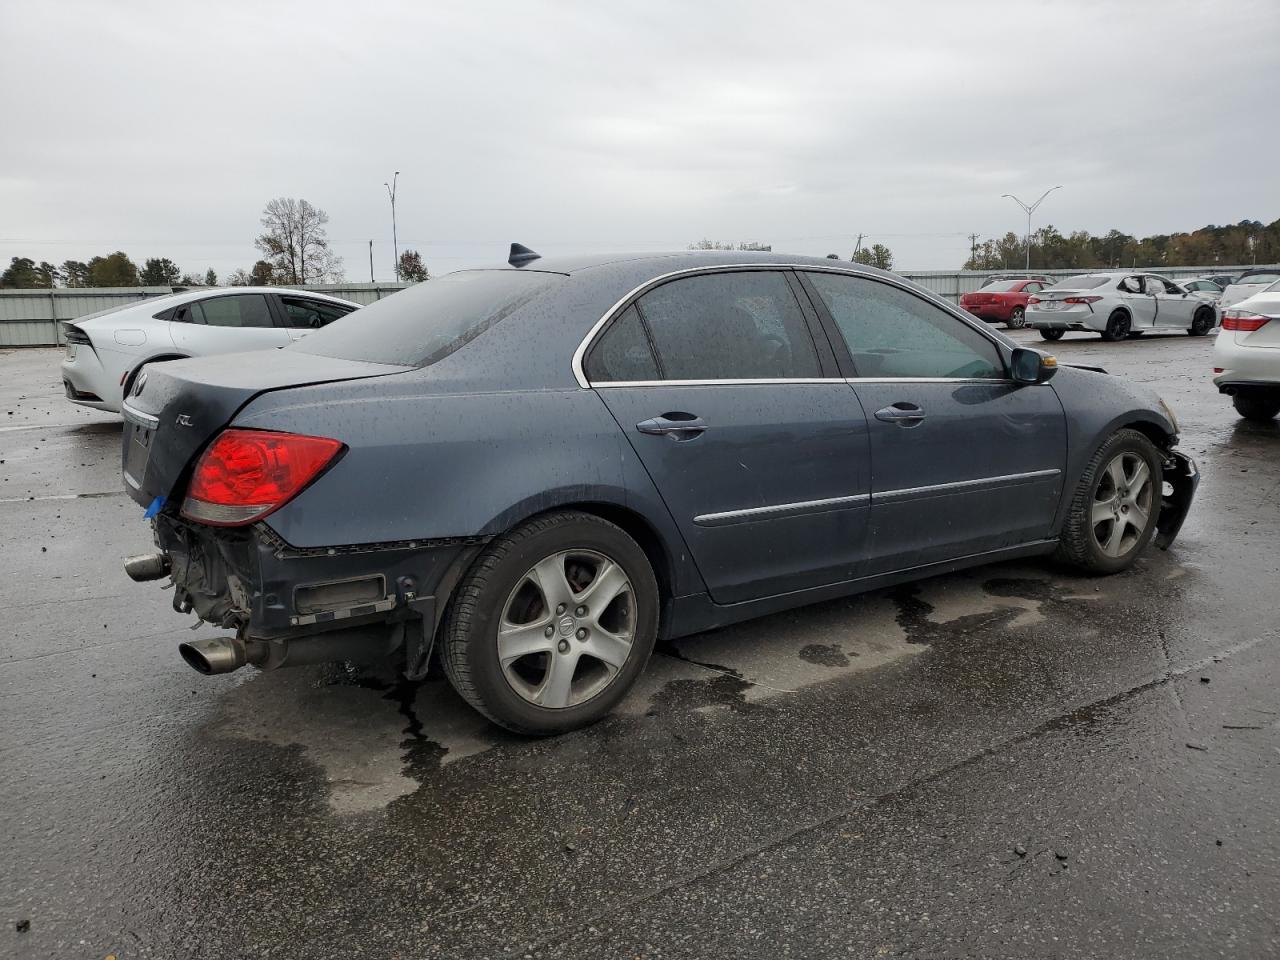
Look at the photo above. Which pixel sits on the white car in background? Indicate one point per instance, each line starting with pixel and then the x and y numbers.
pixel 1119 305
pixel 1201 287
pixel 1246 355
pixel 106 350
pixel 1249 283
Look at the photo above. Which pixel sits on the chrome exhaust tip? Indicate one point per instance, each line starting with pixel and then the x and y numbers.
pixel 219 655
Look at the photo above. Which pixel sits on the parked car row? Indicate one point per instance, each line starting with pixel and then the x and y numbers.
pixel 106 351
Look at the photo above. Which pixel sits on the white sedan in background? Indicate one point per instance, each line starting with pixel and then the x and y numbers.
pixel 1249 283
pixel 106 350
pixel 1119 305
pixel 1246 355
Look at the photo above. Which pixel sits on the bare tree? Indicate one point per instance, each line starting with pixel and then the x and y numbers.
pixel 296 244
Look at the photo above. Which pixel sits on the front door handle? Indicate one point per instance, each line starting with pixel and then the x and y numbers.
pixel 678 426
pixel 902 413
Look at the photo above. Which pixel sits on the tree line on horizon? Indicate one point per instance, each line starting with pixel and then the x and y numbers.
pixel 294 244
pixel 1249 241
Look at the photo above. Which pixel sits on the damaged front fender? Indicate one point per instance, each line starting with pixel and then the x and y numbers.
pixel 1181 476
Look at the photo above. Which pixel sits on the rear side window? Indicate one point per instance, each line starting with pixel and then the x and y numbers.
pixel 729 326
pixel 623 353
pixel 428 321
pixel 243 310
pixel 306 314
pixel 893 333
pixel 1085 281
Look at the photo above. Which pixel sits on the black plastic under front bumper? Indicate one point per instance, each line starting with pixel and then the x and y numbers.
pixel 1182 476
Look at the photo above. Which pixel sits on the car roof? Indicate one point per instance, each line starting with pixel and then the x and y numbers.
pixel 674 261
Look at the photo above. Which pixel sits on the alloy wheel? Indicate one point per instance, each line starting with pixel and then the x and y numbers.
pixel 1017 318
pixel 567 628
pixel 1122 504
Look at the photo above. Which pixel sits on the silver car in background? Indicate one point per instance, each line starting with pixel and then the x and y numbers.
pixel 106 350
pixel 1119 305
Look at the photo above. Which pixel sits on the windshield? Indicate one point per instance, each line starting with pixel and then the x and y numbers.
pixel 430 320
pixel 1260 276
pixel 1086 281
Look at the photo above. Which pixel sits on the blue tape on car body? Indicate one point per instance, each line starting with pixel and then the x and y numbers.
pixel 156 506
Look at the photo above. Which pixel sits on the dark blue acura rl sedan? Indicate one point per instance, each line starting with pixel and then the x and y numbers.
pixel 536 471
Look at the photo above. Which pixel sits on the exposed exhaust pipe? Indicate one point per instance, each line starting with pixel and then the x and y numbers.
pixel 225 654
pixel 219 655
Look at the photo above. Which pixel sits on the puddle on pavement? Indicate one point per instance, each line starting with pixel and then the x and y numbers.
pixel 378 738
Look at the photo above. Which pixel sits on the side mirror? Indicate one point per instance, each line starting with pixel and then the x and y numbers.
pixel 1031 366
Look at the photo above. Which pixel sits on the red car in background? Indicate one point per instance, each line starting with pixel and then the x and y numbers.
pixel 1004 301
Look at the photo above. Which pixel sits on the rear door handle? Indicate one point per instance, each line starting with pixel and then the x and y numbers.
pixel 678 426
pixel 902 413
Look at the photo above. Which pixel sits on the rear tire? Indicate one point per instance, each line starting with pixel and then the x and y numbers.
pixel 1201 323
pixel 1113 514
pixel 496 648
pixel 1260 406
pixel 1050 334
pixel 1118 325
pixel 1017 318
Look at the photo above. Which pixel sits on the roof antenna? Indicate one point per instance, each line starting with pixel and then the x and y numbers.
pixel 520 255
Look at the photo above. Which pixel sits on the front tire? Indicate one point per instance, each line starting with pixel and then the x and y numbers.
pixel 1118 325
pixel 1051 334
pixel 1113 515
pixel 1201 323
pixel 1260 406
pixel 1017 318
pixel 552 624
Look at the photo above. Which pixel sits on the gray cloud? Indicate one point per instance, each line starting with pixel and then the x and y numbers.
pixel 162 128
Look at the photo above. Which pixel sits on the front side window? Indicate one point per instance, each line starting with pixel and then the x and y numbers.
pixel 893 333
pixel 242 310
pixel 623 353
pixel 302 313
pixel 729 326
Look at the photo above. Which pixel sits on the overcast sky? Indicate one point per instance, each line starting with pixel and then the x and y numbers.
pixel 161 128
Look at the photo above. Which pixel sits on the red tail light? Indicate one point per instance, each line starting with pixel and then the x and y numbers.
pixel 1033 299
pixel 1243 320
pixel 246 474
pixel 1081 299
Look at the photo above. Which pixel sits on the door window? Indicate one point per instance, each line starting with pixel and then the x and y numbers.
pixel 729 326
pixel 301 313
pixel 893 333
pixel 623 353
pixel 241 310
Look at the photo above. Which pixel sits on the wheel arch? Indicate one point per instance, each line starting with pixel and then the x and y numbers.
pixel 137 367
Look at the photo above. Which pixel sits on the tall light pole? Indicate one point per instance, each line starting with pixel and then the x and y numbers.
pixel 1030 210
pixel 395 246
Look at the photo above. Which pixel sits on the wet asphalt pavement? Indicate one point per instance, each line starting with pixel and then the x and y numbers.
pixel 1011 762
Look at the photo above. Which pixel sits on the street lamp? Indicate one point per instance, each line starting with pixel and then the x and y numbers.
pixel 395 246
pixel 1030 210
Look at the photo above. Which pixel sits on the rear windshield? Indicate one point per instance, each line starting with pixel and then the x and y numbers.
pixel 1002 286
pixel 430 320
pixel 1260 276
pixel 1086 281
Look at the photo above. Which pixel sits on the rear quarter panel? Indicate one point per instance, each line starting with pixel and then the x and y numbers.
pixel 425 465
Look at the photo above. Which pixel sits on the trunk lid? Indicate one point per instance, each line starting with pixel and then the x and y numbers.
pixel 178 406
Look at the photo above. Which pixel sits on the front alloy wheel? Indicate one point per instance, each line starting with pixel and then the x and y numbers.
pixel 1113 513
pixel 1121 509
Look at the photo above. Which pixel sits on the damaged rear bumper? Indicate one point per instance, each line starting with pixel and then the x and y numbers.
pixel 1182 477
pixel 289 605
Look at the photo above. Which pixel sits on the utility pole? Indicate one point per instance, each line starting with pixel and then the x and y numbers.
pixel 395 246
pixel 858 246
pixel 1030 210
pixel 973 250
pixel 371 280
